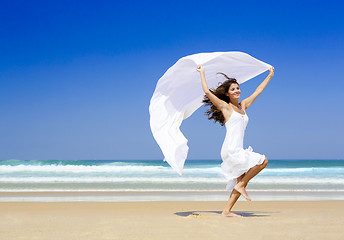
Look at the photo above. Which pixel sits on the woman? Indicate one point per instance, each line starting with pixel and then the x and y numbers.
pixel 239 165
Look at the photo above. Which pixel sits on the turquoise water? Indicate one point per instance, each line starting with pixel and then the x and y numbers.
pixel 156 175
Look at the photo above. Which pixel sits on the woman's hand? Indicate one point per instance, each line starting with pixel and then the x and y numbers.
pixel 200 69
pixel 271 70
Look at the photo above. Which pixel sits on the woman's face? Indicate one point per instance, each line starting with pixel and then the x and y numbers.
pixel 234 91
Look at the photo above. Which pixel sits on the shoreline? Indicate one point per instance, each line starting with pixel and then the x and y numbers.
pixel 147 196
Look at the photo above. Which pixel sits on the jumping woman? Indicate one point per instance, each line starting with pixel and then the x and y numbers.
pixel 239 165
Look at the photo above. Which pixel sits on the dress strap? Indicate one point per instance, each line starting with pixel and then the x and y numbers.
pixel 243 108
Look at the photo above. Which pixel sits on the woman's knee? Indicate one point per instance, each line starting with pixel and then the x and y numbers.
pixel 265 163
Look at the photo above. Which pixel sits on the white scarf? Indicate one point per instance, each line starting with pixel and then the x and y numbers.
pixel 179 93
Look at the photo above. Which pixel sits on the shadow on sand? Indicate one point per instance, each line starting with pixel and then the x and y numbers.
pixel 242 213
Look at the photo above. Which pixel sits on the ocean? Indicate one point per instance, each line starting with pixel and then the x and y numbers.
pixel 155 180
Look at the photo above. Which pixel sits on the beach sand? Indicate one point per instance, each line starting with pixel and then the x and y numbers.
pixel 171 220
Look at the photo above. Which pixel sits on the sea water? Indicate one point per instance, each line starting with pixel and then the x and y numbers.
pixel 201 179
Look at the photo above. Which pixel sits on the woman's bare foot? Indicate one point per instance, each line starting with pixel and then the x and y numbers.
pixel 241 189
pixel 230 214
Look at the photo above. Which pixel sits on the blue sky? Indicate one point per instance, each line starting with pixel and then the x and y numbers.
pixel 76 77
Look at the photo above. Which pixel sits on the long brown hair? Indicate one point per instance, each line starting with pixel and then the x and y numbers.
pixel 220 92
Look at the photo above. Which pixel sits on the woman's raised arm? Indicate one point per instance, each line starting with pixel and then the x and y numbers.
pixel 215 100
pixel 248 101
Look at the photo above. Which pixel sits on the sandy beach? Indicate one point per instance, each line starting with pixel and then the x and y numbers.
pixel 171 220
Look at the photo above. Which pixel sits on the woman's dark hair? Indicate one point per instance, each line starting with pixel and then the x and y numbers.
pixel 220 92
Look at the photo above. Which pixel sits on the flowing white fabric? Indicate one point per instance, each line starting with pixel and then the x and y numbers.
pixel 179 93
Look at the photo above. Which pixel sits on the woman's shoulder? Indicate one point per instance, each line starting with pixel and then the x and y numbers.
pixel 227 108
pixel 243 104
pixel 227 112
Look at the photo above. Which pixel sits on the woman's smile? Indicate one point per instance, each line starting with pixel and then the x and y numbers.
pixel 236 94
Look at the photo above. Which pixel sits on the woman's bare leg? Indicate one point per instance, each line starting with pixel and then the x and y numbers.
pixel 231 201
pixel 240 187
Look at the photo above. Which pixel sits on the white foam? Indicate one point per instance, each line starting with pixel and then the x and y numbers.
pixel 296 180
pixel 108 179
pixel 53 168
pixel 80 168
pixel 99 169
pixel 304 170
pixel 163 190
pixel 259 179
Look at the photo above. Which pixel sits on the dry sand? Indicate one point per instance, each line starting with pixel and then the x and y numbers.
pixel 171 220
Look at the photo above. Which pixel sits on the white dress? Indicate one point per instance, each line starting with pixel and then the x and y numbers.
pixel 236 159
